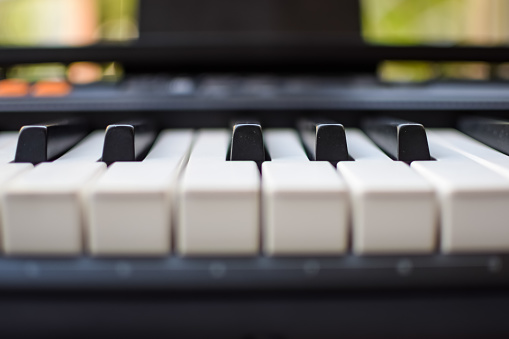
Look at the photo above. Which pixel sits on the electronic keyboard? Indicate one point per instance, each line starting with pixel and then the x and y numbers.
pixel 253 178
pixel 276 210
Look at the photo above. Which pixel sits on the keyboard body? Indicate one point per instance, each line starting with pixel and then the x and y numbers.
pixel 398 296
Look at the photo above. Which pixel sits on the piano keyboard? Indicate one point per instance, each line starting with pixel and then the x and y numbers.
pixel 186 197
pixel 248 201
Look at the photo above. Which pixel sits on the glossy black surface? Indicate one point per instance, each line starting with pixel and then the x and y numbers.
pixel 45 142
pixel 401 140
pixel 324 139
pixel 174 273
pixel 128 141
pixel 492 132
pixel 247 142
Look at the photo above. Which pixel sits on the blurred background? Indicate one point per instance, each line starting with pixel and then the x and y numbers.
pixel 67 22
pixel 446 23
pixel 394 22
pixel 436 22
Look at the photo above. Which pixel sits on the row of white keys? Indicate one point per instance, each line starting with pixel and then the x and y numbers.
pixel 305 203
pixel 393 208
pixel 218 200
pixel 129 207
pixel 296 191
pixel 474 200
pixel 119 218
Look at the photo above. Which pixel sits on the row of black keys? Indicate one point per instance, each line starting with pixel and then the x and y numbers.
pixel 129 141
pixel 324 140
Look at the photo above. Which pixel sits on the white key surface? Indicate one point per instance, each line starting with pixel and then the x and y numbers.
pixel 89 149
pixel 210 145
pixel 8 138
pixel 473 201
pixel 130 206
pixel 305 203
pixel 42 209
pixel 284 145
pixel 171 144
pixel 393 208
pixel 305 209
pixel 7 173
pixel 459 144
pixel 8 145
pixel 361 148
pixel 11 170
pixel 218 201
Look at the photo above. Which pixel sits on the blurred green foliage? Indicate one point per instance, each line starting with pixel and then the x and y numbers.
pixel 66 22
pixel 436 22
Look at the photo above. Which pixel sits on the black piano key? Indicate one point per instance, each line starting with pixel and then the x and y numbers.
pixel 247 142
pixel 46 142
pixel 492 132
pixel 128 141
pixel 401 140
pixel 324 140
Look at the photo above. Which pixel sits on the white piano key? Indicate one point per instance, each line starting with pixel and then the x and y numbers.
pixel 305 209
pixel 218 201
pixel 393 208
pixel 305 203
pixel 130 208
pixel 210 145
pixel 42 209
pixel 8 144
pixel 473 199
pixel 89 149
pixel 8 137
pixel 171 144
pixel 458 143
pixel 474 205
pixel 284 145
pixel 7 173
pixel 361 148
